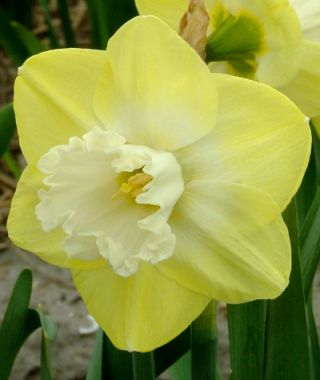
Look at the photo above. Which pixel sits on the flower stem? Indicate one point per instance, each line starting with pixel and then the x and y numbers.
pixel 204 344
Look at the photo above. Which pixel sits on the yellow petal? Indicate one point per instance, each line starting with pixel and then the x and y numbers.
pixel 168 10
pixel 304 88
pixel 53 98
pixel 25 230
pixel 279 60
pixel 232 244
pixel 141 312
pixel 261 139
pixel 309 15
pixel 158 92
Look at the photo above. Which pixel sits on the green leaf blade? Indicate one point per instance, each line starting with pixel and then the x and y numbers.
pixel 7 127
pixel 246 324
pixel 18 323
pixel 287 346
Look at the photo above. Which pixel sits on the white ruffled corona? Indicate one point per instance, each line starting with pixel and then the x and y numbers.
pixel 121 209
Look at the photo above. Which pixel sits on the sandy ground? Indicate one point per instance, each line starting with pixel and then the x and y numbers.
pixel 53 288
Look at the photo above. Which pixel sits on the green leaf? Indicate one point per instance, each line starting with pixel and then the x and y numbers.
pixel 10 41
pixel 106 16
pixel 29 40
pixel 314 341
pixel 168 354
pixel 18 323
pixel 19 10
pixel 49 334
pixel 66 23
pixel 95 370
pixel 117 364
pixel 181 370
pixel 310 244
pixel 52 34
pixel 287 346
pixel 204 344
pixel 316 150
pixel 12 164
pixel 307 191
pixel 7 127
pixel 143 366
pixel 246 325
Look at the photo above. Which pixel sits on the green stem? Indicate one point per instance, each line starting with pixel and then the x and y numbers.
pixel 204 344
pixel 12 164
pixel 143 366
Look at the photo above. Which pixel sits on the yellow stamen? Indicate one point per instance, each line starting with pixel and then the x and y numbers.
pixel 134 186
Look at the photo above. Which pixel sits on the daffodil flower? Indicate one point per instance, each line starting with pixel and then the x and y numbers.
pixel 260 40
pixel 158 183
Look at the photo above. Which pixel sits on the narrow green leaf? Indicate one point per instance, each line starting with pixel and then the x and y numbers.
pixel 7 127
pixel 97 10
pixel 52 34
pixel 18 323
pixel 49 334
pixel 316 151
pixel 66 23
pixel 19 10
pixel 12 164
pixel 204 344
pixel 314 341
pixel 143 366
pixel 181 370
pixel 95 369
pixel 287 347
pixel 307 191
pixel 117 363
pixel 119 12
pixel 310 244
pixel 10 41
pixel 29 40
pixel 168 354
pixel 246 325
pixel 106 16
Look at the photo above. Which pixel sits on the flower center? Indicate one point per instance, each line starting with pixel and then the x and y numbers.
pixel 236 39
pixel 112 200
pixel 134 186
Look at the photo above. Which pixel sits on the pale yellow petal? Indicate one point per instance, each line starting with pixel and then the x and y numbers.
pixel 25 230
pixel 157 92
pixel 304 88
pixel 141 312
pixel 53 98
pixel 261 139
pixel 309 15
pixel 232 244
pixel 168 10
pixel 283 38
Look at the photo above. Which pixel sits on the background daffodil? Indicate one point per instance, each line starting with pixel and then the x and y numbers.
pixel 158 183
pixel 261 40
